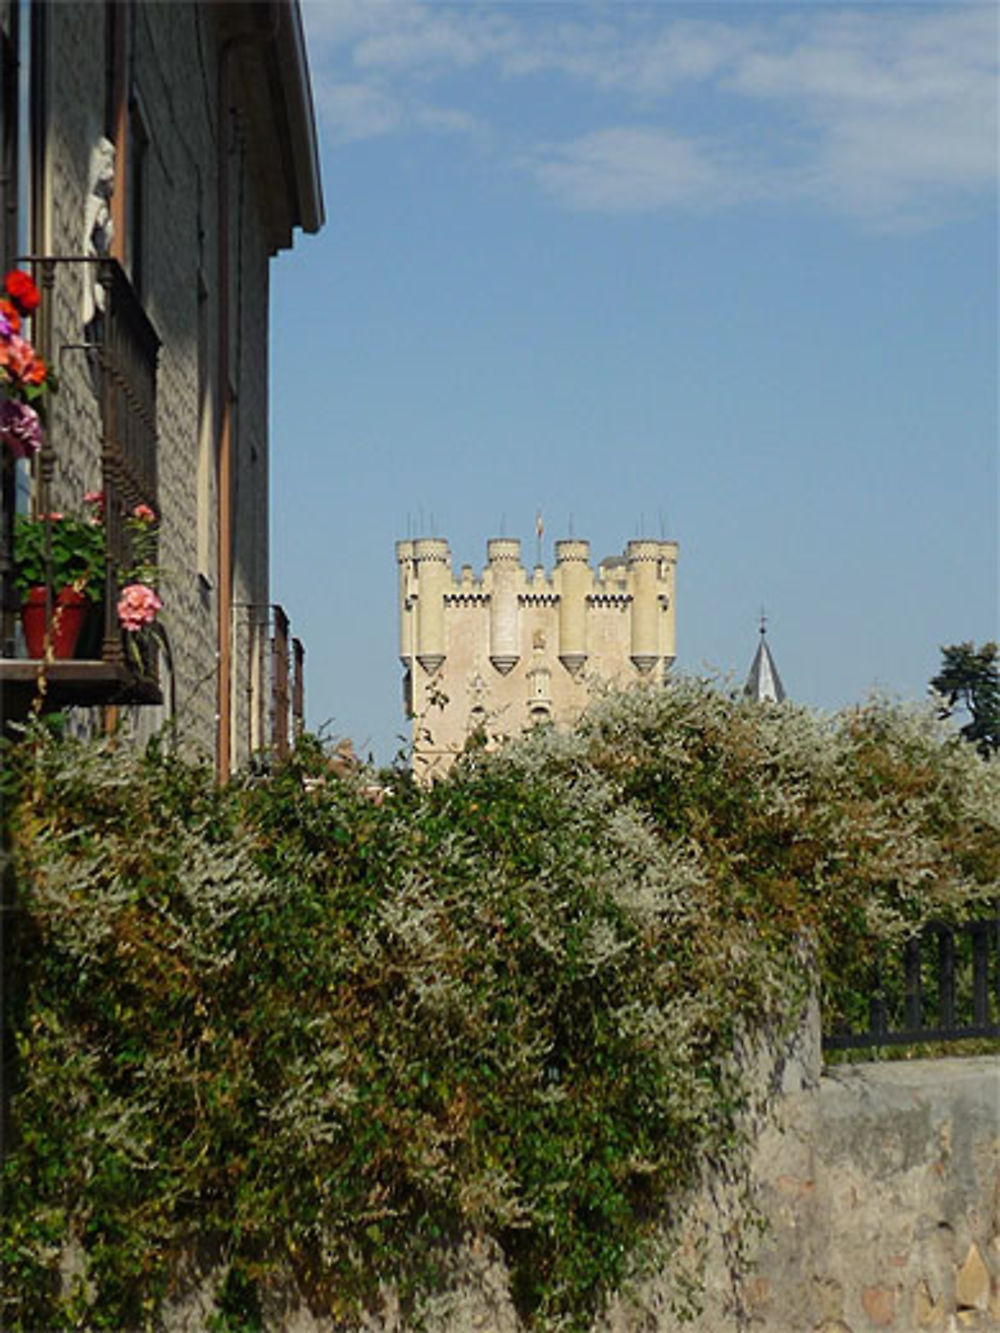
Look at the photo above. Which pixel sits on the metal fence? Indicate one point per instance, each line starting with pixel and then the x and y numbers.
pixel 121 347
pixel 942 985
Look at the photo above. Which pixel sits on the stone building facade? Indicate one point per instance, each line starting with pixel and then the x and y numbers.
pixel 510 649
pixel 166 152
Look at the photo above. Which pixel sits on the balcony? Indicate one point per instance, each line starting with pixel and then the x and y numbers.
pixel 100 437
pixel 287 686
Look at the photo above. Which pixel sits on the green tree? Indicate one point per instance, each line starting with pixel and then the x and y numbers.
pixel 970 677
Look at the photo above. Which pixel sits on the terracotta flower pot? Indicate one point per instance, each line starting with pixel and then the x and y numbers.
pixel 90 645
pixel 69 612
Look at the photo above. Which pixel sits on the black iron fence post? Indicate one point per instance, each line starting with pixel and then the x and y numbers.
pixel 964 980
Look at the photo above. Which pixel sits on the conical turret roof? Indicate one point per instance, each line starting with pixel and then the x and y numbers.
pixel 763 682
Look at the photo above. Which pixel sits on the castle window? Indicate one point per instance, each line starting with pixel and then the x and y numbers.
pixel 541 683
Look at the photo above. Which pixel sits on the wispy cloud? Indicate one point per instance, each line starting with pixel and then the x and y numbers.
pixel 884 114
pixel 420 37
pixel 373 66
pixel 896 115
pixel 358 110
pixel 629 170
pixel 640 52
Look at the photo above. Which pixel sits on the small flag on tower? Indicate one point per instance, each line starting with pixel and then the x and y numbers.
pixel 539 526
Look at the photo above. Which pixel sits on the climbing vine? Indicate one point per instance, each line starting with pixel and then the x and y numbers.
pixel 314 1031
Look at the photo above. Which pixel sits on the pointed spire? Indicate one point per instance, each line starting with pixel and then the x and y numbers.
pixel 763 682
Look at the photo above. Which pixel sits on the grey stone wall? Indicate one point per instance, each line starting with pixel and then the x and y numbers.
pixel 175 55
pixel 879 1190
pixel 175 60
pixel 882 1191
pixel 251 553
pixel 75 101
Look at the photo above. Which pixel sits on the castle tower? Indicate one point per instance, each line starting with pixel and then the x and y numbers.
pixel 576 581
pixel 432 568
pixel 407 604
pixel 507 651
pixel 644 568
pixel 504 556
pixel 668 587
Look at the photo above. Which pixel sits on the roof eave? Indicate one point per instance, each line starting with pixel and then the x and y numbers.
pixel 302 146
pixel 268 46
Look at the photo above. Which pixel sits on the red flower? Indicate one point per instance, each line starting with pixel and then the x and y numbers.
pixel 22 291
pixel 35 371
pixel 9 314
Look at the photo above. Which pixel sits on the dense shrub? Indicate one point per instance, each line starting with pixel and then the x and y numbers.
pixel 313 1035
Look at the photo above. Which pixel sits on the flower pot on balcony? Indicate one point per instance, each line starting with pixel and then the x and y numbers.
pixel 69 613
pixel 90 645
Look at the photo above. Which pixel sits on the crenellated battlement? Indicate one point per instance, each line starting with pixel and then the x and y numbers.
pixel 610 577
pixel 520 645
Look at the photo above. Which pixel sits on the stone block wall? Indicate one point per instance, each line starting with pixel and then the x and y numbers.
pixel 878 1186
pixel 512 648
pixel 173 67
pixel 175 54
pixel 251 463
pixel 882 1192
pixel 75 100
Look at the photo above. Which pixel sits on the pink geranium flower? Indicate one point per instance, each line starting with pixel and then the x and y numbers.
pixel 144 514
pixel 20 428
pixel 138 606
pixel 20 362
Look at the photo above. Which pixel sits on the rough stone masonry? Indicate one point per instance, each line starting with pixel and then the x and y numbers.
pixel 879 1189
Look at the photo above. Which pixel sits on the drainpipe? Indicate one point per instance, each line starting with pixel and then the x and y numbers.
pixel 120 132
pixel 224 466
pixel 119 129
pixel 224 457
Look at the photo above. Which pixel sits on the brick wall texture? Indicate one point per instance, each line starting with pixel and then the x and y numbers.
pixel 874 1194
pixel 174 64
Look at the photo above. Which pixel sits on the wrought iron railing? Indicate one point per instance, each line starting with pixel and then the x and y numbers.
pixel 298 689
pixel 279 683
pixel 128 354
pixel 943 985
pixel 120 349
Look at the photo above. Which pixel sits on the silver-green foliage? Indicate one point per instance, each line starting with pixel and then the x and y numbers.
pixel 323 1038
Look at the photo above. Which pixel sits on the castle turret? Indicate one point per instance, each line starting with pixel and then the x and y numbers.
pixel 644 567
pixel 407 603
pixel 668 616
pixel 510 648
pixel 432 561
pixel 575 582
pixel 504 555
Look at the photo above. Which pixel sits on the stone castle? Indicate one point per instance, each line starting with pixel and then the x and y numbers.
pixel 512 648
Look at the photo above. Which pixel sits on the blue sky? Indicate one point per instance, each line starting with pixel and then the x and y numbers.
pixel 724 272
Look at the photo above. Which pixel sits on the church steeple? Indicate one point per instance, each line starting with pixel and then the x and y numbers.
pixel 763 682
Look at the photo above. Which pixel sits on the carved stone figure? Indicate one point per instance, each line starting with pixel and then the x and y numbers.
pixel 98 228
